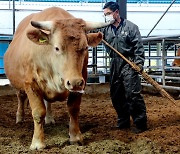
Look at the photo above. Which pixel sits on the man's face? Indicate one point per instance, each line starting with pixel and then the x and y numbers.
pixel 108 12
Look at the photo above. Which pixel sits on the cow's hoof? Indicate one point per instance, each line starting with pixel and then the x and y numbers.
pixel 80 143
pixel 49 120
pixel 37 146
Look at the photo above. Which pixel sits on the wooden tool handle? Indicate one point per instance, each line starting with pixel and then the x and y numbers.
pixel 144 74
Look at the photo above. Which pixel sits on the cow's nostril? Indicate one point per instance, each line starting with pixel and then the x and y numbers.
pixel 77 83
pixel 80 83
pixel 68 83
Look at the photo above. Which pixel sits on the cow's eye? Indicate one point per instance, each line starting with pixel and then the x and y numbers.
pixel 56 48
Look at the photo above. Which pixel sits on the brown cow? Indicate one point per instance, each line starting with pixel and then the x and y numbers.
pixel 176 62
pixel 47 59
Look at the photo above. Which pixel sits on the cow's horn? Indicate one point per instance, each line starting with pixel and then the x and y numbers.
pixel 94 25
pixel 45 25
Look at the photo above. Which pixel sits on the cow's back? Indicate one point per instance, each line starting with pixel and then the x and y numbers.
pixel 18 55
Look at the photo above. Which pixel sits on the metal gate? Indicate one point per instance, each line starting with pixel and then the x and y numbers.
pixel 159 55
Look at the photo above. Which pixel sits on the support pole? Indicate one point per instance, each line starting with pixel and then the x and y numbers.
pixel 161 17
pixel 123 8
pixel 13 17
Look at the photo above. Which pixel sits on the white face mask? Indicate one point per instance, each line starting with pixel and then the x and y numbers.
pixel 109 19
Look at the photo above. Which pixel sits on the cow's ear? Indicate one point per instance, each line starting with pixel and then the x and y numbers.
pixel 94 38
pixel 37 36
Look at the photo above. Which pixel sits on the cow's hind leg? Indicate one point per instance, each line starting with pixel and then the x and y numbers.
pixel 73 104
pixel 38 112
pixel 22 98
pixel 49 117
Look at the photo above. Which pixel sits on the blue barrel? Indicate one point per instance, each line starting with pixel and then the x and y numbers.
pixel 4 43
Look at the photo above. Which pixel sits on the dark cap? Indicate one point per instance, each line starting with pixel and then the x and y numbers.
pixel 113 6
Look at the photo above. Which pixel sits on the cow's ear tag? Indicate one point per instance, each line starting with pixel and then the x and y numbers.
pixel 41 40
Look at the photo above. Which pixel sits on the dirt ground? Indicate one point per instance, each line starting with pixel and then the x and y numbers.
pixel 97 118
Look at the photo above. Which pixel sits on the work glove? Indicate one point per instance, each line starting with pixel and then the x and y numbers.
pixel 141 67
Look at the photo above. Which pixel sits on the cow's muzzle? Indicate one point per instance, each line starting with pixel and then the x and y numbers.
pixel 75 85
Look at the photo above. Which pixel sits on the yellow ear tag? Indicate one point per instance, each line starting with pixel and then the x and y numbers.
pixel 41 40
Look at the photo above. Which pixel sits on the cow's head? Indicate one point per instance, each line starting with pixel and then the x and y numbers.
pixel 69 43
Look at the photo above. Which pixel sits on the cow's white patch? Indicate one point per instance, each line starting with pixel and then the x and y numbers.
pixel 56 81
pixel 51 67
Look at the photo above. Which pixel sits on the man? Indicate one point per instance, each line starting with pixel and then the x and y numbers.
pixel 125 85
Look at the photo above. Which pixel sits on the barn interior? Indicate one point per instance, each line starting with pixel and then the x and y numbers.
pixel 161 40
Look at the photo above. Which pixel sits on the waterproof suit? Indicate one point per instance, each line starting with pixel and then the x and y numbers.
pixel 125 85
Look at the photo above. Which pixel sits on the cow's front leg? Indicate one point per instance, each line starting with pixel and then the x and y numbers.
pixel 74 101
pixel 38 113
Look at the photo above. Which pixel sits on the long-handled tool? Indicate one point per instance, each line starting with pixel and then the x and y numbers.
pixel 144 74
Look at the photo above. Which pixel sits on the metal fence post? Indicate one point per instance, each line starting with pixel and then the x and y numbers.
pixel 163 62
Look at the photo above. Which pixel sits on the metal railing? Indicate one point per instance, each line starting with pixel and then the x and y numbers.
pixel 159 55
pixel 159 66
pixel 4 43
